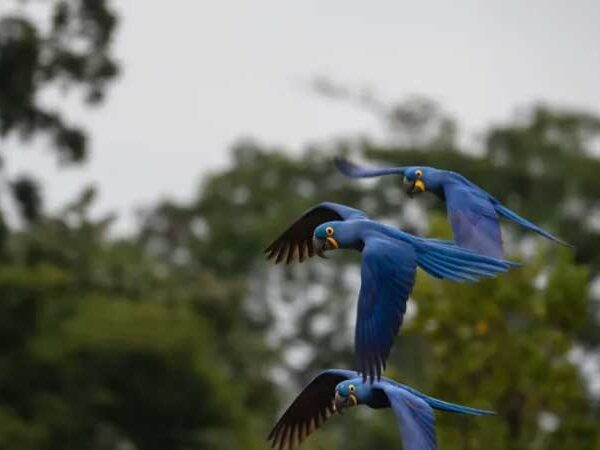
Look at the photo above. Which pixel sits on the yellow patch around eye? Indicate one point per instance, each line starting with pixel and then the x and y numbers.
pixel 329 231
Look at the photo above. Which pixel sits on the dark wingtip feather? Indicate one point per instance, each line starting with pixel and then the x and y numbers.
pixel 291 254
pixel 302 251
pixel 281 252
pixel 271 254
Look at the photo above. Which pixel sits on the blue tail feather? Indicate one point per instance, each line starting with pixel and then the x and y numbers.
pixel 455 408
pixel 511 215
pixel 448 271
pixel 467 255
pixel 447 406
pixel 482 266
pixel 457 264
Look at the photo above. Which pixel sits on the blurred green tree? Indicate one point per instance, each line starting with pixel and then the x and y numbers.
pixel 103 346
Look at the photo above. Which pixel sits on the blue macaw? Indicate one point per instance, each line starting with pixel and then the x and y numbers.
pixel 333 390
pixel 389 262
pixel 473 212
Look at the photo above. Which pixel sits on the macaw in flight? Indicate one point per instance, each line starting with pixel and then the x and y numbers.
pixel 388 268
pixel 473 213
pixel 334 390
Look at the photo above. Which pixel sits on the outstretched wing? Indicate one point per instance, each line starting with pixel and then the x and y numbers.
pixel 309 410
pixel 295 243
pixel 352 170
pixel 415 418
pixel 387 277
pixel 474 220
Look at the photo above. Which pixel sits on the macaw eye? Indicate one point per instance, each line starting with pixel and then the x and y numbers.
pixel 329 231
pixel 419 173
pixel 351 388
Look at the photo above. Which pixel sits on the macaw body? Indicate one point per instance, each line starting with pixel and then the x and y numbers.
pixel 334 390
pixel 389 263
pixel 473 212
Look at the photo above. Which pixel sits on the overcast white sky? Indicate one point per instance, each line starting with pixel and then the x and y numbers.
pixel 198 75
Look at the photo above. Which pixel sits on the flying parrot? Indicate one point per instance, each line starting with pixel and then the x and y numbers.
pixel 333 390
pixel 473 213
pixel 388 268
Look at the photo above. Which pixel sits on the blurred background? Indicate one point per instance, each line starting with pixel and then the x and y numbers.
pixel 150 152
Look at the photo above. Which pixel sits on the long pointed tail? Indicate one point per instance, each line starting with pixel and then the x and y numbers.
pixel 442 405
pixel 455 408
pixel 511 215
pixel 443 260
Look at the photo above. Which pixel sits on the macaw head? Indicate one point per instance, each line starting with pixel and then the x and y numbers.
pixel 421 179
pixel 334 235
pixel 351 393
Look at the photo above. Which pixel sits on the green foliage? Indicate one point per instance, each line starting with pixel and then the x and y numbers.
pixel 102 347
pixel 505 345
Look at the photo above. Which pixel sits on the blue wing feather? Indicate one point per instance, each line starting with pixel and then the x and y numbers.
pixel 387 278
pixel 415 418
pixel 474 220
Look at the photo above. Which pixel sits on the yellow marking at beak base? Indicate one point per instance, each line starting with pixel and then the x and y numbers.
pixel 333 242
pixel 419 185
